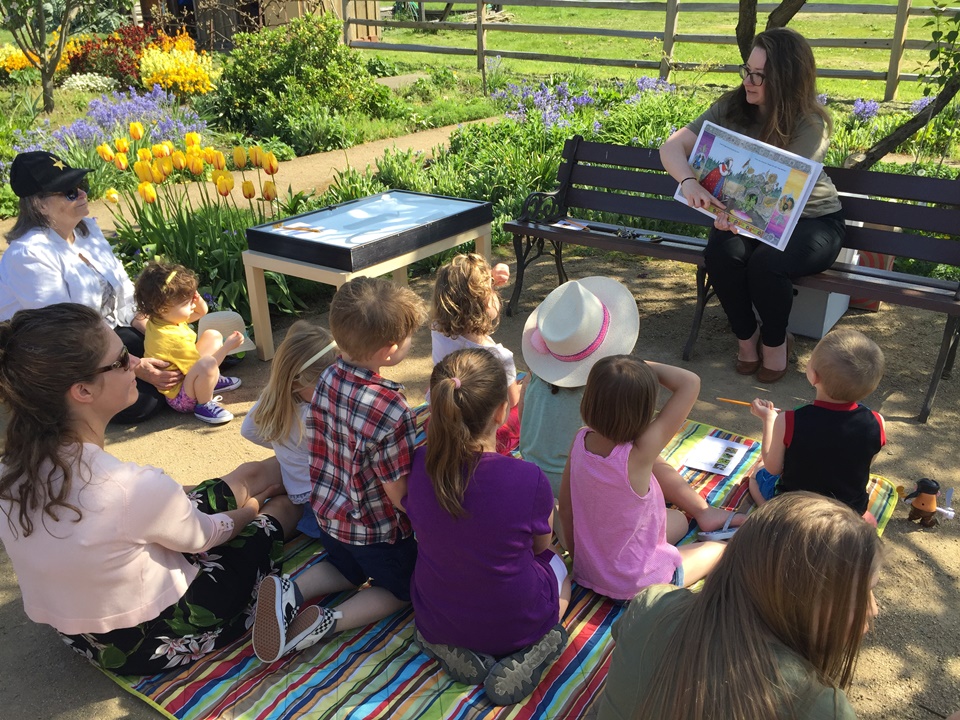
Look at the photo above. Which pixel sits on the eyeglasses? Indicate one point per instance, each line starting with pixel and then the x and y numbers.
pixel 755 78
pixel 121 362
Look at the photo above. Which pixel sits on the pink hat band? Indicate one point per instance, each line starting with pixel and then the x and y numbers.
pixel 540 345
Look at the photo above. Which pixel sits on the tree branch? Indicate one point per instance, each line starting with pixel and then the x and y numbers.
pixel 746 27
pixel 784 13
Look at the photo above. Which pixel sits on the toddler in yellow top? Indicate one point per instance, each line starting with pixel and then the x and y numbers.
pixel 167 295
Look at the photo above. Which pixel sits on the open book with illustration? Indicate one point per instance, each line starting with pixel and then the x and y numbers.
pixel 763 187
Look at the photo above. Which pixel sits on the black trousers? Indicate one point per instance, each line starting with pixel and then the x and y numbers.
pixel 748 274
pixel 149 399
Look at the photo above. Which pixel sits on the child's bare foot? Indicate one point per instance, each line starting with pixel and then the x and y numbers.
pixel 715 518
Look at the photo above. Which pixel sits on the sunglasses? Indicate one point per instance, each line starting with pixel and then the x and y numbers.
pixel 74 193
pixel 121 362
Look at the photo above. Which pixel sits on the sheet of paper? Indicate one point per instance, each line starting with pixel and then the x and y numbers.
pixel 715 455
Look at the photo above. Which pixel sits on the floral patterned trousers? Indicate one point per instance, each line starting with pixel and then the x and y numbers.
pixel 216 609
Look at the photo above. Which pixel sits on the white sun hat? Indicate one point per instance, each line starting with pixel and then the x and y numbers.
pixel 579 323
pixel 225 322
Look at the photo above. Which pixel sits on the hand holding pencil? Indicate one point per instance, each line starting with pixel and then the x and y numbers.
pixel 763 408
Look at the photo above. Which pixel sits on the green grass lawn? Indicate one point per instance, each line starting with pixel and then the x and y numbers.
pixel 812 25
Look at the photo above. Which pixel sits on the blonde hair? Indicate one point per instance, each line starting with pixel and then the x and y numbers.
pixel 368 314
pixel 276 413
pixel 466 388
pixel 848 364
pixel 461 295
pixel 798 572
pixel 620 398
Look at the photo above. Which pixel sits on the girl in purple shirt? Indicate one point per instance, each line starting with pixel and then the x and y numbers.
pixel 487 590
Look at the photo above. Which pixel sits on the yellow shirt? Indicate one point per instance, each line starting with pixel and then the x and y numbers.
pixel 175 344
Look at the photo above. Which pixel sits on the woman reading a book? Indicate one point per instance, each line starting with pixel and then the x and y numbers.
pixel 775 104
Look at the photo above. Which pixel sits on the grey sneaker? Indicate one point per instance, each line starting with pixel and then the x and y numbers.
pixel 212 412
pixel 276 609
pixel 464 666
pixel 516 676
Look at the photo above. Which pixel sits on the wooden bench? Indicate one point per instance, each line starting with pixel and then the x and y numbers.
pixel 604 178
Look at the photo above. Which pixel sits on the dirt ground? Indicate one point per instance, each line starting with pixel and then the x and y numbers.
pixel 909 667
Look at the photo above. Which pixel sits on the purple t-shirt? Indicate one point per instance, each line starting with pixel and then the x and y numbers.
pixel 477 583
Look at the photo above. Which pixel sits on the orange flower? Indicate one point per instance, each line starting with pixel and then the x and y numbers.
pixel 195 164
pixel 239 158
pixel 122 144
pixel 136 131
pixel 269 191
pixel 178 159
pixel 192 139
pixel 219 161
pixel 249 192
pixel 143 171
pixel 144 155
pixel 148 192
pixel 225 184
pixel 270 163
pixel 256 156
pixel 105 152
pixel 120 161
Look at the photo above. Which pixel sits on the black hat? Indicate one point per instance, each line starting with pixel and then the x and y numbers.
pixel 42 172
pixel 925 486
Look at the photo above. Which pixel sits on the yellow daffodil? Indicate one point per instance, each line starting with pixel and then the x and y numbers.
pixel 122 144
pixel 239 158
pixel 270 163
pixel 195 164
pixel 148 192
pixel 256 156
pixel 225 184
pixel 111 195
pixel 143 171
pixel 178 159
pixel 105 152
pixel 269 191
pixel 249 192
pixel 136 131
pixel 219 160
pixel 120 161
pixel 144 154
pixel 192 139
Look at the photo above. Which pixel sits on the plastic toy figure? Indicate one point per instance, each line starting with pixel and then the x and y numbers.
pixel 924 506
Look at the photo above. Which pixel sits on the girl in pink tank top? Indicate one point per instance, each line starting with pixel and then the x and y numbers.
pixel 614 516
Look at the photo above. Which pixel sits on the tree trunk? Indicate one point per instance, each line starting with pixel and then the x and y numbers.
pixel 46 81
pixel 746 27
pixel 890 143
pixel 784 13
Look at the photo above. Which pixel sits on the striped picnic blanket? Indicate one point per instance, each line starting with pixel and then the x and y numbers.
pixel 377 673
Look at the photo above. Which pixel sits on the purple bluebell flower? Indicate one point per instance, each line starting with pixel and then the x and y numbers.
pixel 823 99
pixel 918 105
pixel 864 110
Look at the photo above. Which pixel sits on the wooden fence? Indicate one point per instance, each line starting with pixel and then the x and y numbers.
pixel 896 44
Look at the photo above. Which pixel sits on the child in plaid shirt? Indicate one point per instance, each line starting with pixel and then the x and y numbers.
pixel 361 435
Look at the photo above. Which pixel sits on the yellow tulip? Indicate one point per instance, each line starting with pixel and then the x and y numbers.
pixel 160 150
pixel 156 172
pixel 195 164
pixel 143 171
pixel 178 159
pixel 145 154
pixel 166 165
pixel 225 184
pixel 136 131
pixel 120 161
pixel 249 192
pixel 192 139
pixel 219 161
pixel 111 195
pixel 270 163
pixel 122 144
pixel 208 154
pixel 148 192
pixel 215 175
pixel 256 156
pixel 169 146
pixel 269 191
pixel 105 152
pixel 239 158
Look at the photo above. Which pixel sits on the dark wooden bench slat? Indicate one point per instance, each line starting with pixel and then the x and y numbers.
pixel 624 180
pixel 901 187
pixel 653 208
pixel 890 242
pixel 915 217
pixel 619 155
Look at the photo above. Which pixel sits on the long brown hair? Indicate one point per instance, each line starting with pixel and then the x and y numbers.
pixel 466 388
pixel 790 84
pixel 797 572
pixel 31 216
pixel 43 353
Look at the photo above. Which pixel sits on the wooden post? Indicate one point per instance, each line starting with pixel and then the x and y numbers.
pixel 896 50
pixel 422 11
pixel 346 27
pixel 482 42
pixel 669 35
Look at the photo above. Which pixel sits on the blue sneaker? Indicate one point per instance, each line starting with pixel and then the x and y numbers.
pixel 212 412
pixel 225 383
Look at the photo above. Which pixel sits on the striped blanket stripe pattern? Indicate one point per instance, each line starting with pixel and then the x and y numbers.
pixel 376 673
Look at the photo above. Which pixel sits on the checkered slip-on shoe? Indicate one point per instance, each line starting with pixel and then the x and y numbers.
pixel 276 609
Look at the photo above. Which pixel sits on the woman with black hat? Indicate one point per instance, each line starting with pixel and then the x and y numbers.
pixel 57 254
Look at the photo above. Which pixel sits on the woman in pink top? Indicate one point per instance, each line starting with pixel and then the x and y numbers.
pixel 613 512
pixel 136 574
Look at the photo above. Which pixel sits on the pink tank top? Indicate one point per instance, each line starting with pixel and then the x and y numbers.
pixel 621 538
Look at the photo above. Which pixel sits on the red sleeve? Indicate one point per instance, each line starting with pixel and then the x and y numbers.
pixel 788 427
pixel 883 431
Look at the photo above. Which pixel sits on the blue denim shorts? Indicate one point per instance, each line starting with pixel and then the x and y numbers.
pixel 677 578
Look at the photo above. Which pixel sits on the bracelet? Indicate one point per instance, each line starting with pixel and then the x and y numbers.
pixel 687 178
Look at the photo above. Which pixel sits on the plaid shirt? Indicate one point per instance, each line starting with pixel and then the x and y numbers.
pixel 361 433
